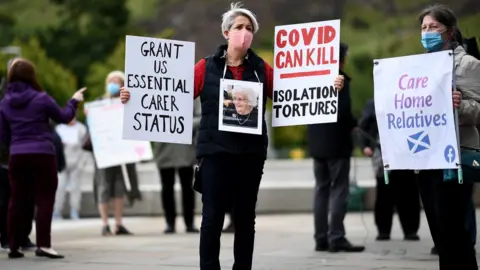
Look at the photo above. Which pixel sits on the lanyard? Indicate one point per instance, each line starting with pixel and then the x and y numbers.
pixel 225 71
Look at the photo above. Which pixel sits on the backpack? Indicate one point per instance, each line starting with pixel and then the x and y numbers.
pixel 471 47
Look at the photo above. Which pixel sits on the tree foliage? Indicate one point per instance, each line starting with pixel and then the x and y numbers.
pixel 89 31
pixel 57 80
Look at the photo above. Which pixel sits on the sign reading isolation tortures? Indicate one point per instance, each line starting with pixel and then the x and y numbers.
pixel 413 104
pixel 306 65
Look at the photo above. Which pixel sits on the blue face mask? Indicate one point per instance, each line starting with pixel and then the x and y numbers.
pixel 113 88
pixel 432 41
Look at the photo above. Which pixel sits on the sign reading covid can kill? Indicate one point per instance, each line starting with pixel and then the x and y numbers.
pixel 306 63
pixel 413 106
pixel 159 74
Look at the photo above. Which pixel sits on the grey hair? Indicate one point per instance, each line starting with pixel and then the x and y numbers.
pixel 251 95
pixel 228 18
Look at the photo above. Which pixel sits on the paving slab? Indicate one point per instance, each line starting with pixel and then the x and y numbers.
pixel 283 242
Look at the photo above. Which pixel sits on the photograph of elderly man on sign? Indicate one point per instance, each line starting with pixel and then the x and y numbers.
pixel 239 107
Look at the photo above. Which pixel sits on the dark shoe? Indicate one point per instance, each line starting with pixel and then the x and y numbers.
pixel 106 231
pixel 434 251
pixel 169 230
pixel 321 246
pixel 383 237
pixel 345 246
pixel 230 228
pixel 412 237
pixel 121 230
pixel 15 254
pixel 29 245
pixel 191 229
pixel 43 253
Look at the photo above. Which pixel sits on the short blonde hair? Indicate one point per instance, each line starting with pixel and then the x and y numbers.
pixel 228 18
pixel 114 74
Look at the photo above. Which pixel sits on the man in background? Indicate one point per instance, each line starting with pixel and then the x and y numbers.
pixel 331 147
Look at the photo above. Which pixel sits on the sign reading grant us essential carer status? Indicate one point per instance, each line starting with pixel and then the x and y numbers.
pixel 159 74
pixel 306 63
pixel 413 104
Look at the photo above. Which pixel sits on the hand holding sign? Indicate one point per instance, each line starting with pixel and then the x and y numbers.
pixel 124 95
pixel 79 94
pixel 339 81
pixel 457 99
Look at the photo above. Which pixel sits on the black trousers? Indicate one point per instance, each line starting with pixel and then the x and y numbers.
pixel 446 207
pixel 4 201
pixel 229 180
pixel 330 197
pixel 167 176
pixel 401 194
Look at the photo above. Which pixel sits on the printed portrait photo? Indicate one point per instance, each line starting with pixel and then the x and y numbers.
pixel 241 107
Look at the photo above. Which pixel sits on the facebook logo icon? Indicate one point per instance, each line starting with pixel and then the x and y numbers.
pixel 449 154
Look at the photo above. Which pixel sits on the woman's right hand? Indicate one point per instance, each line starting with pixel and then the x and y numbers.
pixel 79 94
pixel 124 95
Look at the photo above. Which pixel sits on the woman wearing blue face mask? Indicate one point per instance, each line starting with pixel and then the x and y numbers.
pixel 109 185
pixel 446 202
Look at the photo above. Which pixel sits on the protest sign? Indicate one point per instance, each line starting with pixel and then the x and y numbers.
pixel 413 106
pixel 105 126
pixel 159 74
pixel 306 64
pixel 241 106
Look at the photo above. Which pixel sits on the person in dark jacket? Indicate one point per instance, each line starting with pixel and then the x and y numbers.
pixel 331 147
pixel 400 194
pixel 25 112
pixel 231 164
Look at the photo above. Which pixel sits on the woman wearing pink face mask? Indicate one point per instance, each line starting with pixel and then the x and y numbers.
pixel 230 164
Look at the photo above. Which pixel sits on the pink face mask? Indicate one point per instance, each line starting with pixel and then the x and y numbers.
pixel 241 39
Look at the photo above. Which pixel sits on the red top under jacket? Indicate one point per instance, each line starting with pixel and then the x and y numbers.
pixel 237 72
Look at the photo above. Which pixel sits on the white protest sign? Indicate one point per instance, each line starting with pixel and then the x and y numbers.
pixel 159 74
pixel 306 63
pixel 413 105
pixel 240 106
pixel 104 120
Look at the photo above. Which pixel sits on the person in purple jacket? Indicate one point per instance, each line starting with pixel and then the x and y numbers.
pixel 25 112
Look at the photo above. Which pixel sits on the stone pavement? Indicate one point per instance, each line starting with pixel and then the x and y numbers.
pixel 283 242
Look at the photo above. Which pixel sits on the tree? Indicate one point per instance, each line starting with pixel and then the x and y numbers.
pixel 89 31
pixel 59 82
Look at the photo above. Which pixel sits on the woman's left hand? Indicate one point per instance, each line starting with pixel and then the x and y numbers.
pixel 457 99
pixel 339 82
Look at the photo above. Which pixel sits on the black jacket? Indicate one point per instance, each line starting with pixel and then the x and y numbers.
pixel 369 127
pixel 334 140
pixel 212 141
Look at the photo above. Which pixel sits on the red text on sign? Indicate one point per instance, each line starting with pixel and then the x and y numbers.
pixel 306 57
pixel 325 35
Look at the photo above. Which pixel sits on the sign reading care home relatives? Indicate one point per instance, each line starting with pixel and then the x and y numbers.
pixel 306 63
pixel 105 129
pixel 413 104
pixel 159 74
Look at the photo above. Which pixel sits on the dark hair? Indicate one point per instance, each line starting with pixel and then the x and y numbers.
pixel 441 13
pixel 23 70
